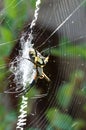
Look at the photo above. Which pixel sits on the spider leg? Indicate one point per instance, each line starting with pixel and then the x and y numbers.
pixel 24 91
pixel 46 59
pixel 46 77
pixel 19 92
pixel 9 91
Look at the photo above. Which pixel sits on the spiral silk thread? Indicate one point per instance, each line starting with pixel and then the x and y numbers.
pixel 24 69
pixel 23 114
pixel 35 14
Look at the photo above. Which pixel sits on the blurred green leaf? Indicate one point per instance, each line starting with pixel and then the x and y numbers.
pixel 84 107
pixel 7 23
pixel 2 75
pixel 78 76
pixel 83 90
pixel 68 49
pixel 6 34
pixel 59 120
pixel 32 93
pixel 78 124
pixel 2 112
pixel 10 8
pixel 49 128
pixel 22 9
pixel 10 117
pixel 66 91
pixel 4 52
pixel 6 119
pixel 7 45
pixel 33 3
pixel 2 61
pixel 65 94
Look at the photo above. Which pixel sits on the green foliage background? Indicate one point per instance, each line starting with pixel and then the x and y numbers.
pixel 14 15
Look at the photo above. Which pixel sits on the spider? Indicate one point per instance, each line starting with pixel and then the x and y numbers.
pixel 39 63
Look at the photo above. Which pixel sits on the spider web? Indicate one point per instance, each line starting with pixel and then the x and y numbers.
pixel 60 19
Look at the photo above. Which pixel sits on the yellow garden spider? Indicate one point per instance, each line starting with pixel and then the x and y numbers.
pixel 39 63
